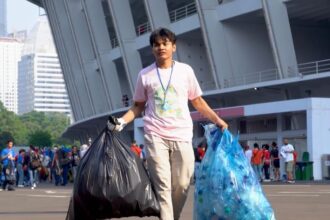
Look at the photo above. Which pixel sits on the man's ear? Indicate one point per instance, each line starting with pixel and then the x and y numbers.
pixel 174 48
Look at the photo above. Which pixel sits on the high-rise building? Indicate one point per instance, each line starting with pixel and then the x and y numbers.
pixel 10 54
pixel 19 35
pixel 3 18
pixel 41 85
pixel 263 65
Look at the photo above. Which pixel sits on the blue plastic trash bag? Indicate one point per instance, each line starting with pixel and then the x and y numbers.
pixel 226 187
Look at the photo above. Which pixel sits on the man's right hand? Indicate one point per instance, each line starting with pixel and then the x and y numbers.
pixel 121 124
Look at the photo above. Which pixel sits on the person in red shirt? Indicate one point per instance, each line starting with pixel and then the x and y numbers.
pixel 256 161
pixel 201 151
pixel 266 162
pixel 136 149
pixel 295 156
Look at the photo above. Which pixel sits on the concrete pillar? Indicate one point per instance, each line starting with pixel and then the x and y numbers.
pixel 279 30
pixel 215 41
pixel 125 30
pixel 68 75
pixel 102 45
pixel 157 12
pixel 100 42
pixel 318 133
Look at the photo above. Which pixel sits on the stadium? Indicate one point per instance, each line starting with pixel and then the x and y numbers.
pixel 264 66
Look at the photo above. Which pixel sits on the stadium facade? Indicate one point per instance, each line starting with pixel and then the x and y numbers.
pixel 263 65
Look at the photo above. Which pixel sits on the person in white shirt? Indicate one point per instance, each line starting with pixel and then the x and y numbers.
pixel 287 154
pixel 248 153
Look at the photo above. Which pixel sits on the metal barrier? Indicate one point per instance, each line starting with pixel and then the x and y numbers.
pixel 250 78
pixel 183 12
pixel 309 68
pixel 314 67
pixel 143 28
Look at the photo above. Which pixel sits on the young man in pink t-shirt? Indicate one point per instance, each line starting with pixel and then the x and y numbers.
pixel 163 90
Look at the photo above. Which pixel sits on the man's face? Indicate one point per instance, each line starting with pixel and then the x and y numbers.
pixel 10 144
pixel 163 49
pixel 286 142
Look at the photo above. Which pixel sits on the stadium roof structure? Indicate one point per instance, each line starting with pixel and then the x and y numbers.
pixel 37 2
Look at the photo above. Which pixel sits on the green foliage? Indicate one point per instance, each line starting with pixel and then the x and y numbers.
pixel 40 139
pixel 54 123
pixel 26 125
pixel 4 137
pixel 9 122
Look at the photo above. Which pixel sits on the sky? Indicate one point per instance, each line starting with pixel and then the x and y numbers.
pixel 21 15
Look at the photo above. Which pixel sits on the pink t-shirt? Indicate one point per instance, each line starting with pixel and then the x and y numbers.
pixel 173 122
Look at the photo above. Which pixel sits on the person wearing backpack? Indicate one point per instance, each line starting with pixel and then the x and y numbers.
pixel 34 164
pixel 65 163
pixel 8 168
pixel 75 158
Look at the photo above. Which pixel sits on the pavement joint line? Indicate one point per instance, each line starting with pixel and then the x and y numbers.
pixel 298 192
pixel 32 212
pixel 297 195
pixel 45 196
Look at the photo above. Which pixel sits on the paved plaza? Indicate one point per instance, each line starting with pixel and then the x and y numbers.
pixel 301 201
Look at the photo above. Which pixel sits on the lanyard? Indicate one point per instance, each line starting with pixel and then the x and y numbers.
pixel 168 84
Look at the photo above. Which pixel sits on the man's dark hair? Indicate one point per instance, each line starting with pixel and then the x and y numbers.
pixel 256 145
pixel 10 140
pixel 162 33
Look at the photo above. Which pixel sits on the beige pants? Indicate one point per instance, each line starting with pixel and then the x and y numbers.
pixel 171 166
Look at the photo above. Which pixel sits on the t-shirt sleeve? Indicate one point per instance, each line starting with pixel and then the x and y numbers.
pixel 194 88
pixel 3 153
pixel 140 93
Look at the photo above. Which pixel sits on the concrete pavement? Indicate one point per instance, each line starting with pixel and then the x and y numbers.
pixel 47 202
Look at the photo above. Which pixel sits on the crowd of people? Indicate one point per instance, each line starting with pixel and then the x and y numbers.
pixel 27 168
pixel 266 161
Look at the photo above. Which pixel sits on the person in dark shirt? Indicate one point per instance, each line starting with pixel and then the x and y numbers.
pixel 275 161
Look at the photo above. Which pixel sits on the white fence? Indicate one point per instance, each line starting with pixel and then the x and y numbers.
pixel 183 12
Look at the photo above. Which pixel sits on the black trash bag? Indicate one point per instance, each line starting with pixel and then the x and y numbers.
pixel 111 182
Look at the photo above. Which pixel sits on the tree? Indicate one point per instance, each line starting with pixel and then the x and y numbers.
pixel 22 127
pixel 54 123
pixel 4 137
pixel 40 139
pixel 9 122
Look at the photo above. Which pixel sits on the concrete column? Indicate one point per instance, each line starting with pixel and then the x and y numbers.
pixel 76 105
pixel 157 12
pixel 279 30
pixel 318 133
pixel 215 41
pixel 98 27
pixel 125 29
